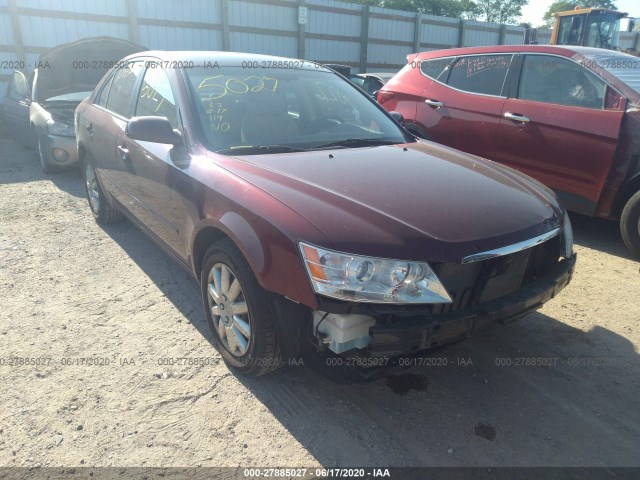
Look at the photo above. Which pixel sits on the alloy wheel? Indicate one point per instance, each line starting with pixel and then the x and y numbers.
pixel 229 310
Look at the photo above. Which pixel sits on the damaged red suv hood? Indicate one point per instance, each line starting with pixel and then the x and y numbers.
pixel 419 201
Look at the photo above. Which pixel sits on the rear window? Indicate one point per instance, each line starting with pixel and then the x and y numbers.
pixel 484 74
pixel 437 68
pixel 624 67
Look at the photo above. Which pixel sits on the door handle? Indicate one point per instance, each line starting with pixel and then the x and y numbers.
pixel 123 152
pixel 89 128
pixel 434 103
pixel 516 117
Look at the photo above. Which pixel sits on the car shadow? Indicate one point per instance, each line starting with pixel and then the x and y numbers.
pixel 13 159
pixel 482 402
pixel 599 234
pixel 522 394
pixel 178 285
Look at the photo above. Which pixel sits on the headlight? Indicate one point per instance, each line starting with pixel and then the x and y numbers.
pixel 60 129
pixel 365 279
pixel 568 236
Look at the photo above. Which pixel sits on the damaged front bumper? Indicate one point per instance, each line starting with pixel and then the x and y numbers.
pixel 411 334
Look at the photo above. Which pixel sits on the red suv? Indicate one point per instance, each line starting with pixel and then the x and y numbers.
pixel 567 116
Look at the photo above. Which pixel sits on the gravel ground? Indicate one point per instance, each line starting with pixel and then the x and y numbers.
pixel 102 312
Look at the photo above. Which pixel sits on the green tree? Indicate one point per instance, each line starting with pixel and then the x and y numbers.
pixel 500 11
pixel 566 5
pixel 443 8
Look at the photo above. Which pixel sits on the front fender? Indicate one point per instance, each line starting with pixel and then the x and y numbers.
pixel 270 249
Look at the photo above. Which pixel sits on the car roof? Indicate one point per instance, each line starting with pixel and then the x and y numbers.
pixel 230 59
pixel 564 50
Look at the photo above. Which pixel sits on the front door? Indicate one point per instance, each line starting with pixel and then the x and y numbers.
pixel 562 129
pixel 16 109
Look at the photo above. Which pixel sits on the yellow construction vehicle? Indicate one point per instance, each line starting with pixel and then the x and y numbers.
pixel 588 27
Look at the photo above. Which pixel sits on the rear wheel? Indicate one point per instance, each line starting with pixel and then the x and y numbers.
pixel 238 312
pixel 630 224
pixel 100 208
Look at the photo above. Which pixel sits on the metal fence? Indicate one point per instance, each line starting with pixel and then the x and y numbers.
pixel 365 38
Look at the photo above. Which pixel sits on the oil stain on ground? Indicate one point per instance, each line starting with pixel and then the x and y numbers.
pixel 485 430
pixel 402 384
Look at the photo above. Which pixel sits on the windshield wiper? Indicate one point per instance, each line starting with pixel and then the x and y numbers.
pixel 357 142
pixel 244 149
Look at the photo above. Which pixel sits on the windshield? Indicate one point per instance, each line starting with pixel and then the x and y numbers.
pixel 603 30
pixel 623 66
pixel 247 109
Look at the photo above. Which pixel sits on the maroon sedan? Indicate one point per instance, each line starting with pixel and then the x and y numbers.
pixel 311 218
pixel 568 116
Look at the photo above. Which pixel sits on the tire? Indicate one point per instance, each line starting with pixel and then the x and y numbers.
pixel 43 157
pixel 247 339
pixel 100 208
pixel 630 224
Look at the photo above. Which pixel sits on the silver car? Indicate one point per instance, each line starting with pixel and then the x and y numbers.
pixel 39 109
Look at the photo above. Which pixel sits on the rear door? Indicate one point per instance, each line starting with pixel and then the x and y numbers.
pixel 16 108
pixel 562 129
pixel 462 107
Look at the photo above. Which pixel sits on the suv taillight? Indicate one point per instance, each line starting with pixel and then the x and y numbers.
pixel 384 97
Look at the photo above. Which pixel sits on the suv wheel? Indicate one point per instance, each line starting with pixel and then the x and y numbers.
pixel 238 312
pixel 630 224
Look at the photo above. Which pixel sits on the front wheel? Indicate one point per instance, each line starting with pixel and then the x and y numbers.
pixel 630 224
pixel 238 312
pixel 100 208
pixel 43 156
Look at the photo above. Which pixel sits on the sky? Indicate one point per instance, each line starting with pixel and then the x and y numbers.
pixel 534 11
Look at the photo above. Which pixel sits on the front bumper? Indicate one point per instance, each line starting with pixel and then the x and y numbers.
pixel 412 334
pixel 66 144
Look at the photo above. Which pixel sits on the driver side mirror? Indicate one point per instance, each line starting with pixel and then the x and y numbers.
pixel 397 117
pixel 153 129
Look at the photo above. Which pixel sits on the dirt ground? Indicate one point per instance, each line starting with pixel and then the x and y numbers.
pixel 91 319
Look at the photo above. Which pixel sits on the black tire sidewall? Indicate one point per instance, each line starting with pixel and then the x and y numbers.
pixel 256 360
pixel 629 224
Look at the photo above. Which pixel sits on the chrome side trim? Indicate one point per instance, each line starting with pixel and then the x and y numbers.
pixel 509 249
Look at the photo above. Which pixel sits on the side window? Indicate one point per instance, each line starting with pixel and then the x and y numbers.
pixel 483 74
pixel 437 68
pixel 122 85
pixel 570 28
pixel 358 81
pixel 156 98
pixel 372 85
pixel 101 98
pixel 18 89
pixel 557 80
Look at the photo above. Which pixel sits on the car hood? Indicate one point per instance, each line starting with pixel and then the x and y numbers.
pixel 419 201
pixel 78 66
